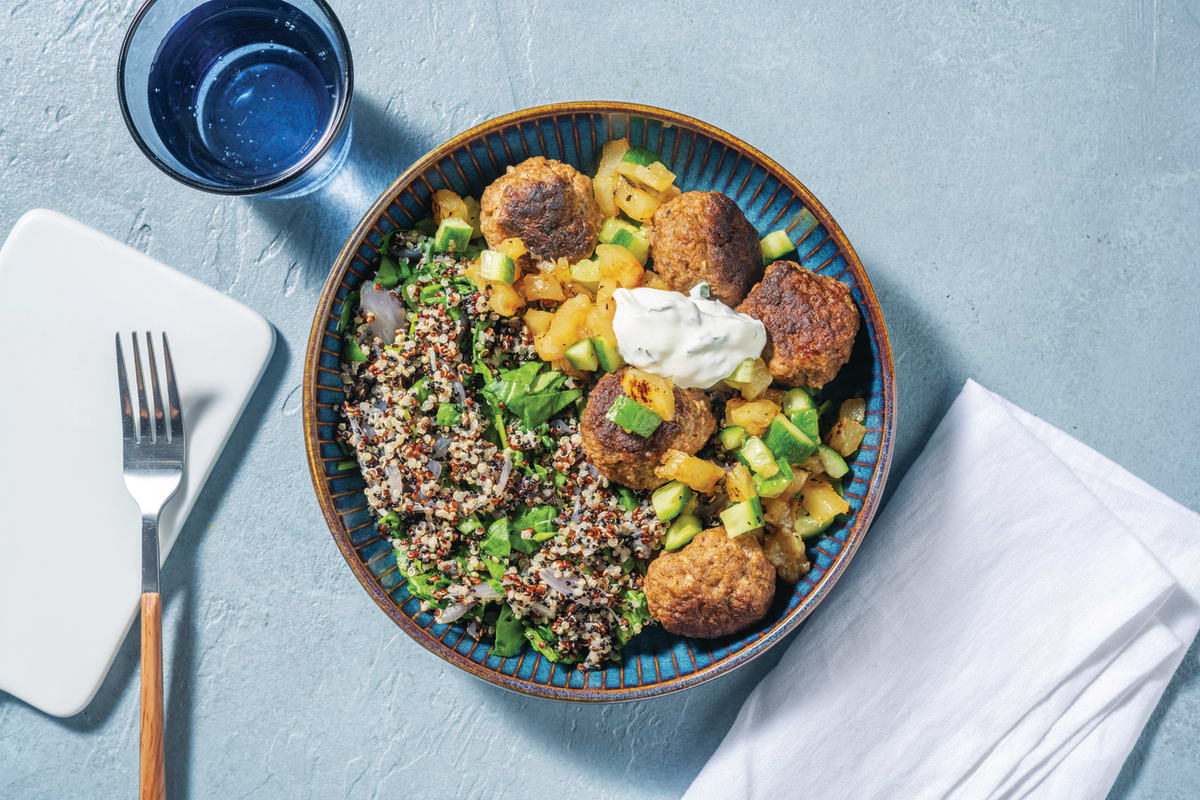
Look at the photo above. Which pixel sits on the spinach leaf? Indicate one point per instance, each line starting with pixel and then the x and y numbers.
pixel 497 542
pixel 510 634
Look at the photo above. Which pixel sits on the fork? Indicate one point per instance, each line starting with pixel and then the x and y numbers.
pixel 153 466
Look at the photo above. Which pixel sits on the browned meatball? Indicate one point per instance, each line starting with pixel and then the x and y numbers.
pixel 703 236
pixel 549 205
pixel 811 323
pixel 630 459
pixel 712 587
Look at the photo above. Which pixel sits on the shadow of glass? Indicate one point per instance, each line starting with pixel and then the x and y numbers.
pixel 318 223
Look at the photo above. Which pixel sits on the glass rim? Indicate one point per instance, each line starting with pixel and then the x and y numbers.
pixel 331 135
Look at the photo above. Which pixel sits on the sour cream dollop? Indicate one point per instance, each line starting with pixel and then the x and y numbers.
pixel 687 337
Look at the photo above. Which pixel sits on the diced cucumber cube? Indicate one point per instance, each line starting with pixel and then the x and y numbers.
pixel 758 457
pixel 835 465
pixel 775 245
pixel 788 442
pixel 607 354
pixel 797 400
pixel 743 517
pixel 682 531
pixel 809 421
pixel 743 372
pixel 732 437
pixel 809 528
pixel 452 236
pixel 639 155
pixel 495 266
pixel 669 499
pixel 582 356
pixel 587 273
pixel 777 483
pixel 633 417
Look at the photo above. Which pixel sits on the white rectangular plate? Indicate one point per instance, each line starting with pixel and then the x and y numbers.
pixel 70 552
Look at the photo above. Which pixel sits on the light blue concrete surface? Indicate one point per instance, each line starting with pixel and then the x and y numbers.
pixel 1021 179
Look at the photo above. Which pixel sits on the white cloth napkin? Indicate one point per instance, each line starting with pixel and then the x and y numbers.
pixel 1005 631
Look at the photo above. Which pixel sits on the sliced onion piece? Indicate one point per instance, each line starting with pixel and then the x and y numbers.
pixel 390 315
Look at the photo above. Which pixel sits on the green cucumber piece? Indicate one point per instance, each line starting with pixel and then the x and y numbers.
pixel 607 354
pixel 732 437
pixel 682 531
pixel 809 421
pixel 743 517
pixel 669 499
pixel 797 400
pixel 624 234
pixel 587 273
pixel 495 266
pixel 633 417
pixel 787 441
pixel 582 356
pixel 452 236
pixel 808 528
pixel 755 454
pixel 774 485
pixel 835 465
pixel 639 155
pixel 743 372
pixel 775 245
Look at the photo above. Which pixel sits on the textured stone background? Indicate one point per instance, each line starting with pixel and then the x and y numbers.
pixel 1022 181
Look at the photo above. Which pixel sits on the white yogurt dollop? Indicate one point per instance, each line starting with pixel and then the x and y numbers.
pixel 689 338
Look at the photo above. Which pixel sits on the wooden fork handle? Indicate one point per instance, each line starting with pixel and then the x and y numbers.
pixel 153 764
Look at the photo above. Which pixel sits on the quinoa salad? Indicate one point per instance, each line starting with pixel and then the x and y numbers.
pixel 585 406
pixel 494 513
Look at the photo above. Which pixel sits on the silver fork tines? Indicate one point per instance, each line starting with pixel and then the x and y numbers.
pixel 153 453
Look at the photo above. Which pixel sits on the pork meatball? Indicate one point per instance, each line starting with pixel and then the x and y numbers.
pixel 811 323
pixel 549 205
pixel 629 459
pixel 712 587
pixel 703 236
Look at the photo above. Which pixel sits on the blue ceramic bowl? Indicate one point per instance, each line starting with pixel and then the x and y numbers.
pixel 702 157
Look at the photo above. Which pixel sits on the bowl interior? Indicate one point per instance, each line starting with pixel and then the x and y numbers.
pixel 703 158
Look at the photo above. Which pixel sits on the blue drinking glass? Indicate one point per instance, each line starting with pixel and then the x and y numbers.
pixel 239 96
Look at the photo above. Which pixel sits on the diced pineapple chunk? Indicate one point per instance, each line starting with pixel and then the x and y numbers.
pixel 739 485
pixel 753 415
pixel 854 408
pixel 538 321
pixel 564 329
pixel 799 478
pixel 784 548
pixel 845 436
pixel 541 286
pixel 654 176
pixel 653 280
pixel 700 475
pixel 653 391
pixel 637 203
pixel 821 501
pixel 619 264
pixel 512 247
pixel 780 512
pixel 448 205
pixel 759 380
pixel 604 185
pixel 505 300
